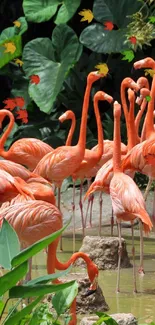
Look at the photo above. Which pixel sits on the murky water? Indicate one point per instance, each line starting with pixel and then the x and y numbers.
pixel 142 304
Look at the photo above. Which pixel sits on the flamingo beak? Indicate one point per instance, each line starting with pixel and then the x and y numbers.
pixel 93 287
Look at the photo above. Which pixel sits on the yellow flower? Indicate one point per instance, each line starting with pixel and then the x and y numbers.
pixel 18 61
pixel 150 72
pixel 10 47
pixel 87 15
pixel 102 68
pixel 17 23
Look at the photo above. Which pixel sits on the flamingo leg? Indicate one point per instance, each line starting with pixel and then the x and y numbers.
pixel 81 208
pixel 112 223
pixel 148 188
pixel 141 268
pixel 91 209
pixel 100 217
pixel 73 213
pixel 88 204
pixel 153 212
pixel 58 204
pixel 119 257
pixel 133 256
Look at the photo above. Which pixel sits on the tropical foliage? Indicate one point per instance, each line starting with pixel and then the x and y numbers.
pixel 16 264
pixel 47 48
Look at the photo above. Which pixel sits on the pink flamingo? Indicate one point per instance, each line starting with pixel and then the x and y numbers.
pixel 127 200
pixel 33 220
pixel 63 161
pixel 26 151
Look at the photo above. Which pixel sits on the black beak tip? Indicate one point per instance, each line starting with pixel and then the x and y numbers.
pixel 138 93
pixel 89 293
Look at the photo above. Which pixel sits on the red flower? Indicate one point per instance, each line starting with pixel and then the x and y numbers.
pixel 133 40
pixel 19 101
pixel 108 25
pixel 22 114
pixel 35 79
pixel 10 103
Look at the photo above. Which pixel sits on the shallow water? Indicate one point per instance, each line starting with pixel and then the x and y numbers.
pixel 142 304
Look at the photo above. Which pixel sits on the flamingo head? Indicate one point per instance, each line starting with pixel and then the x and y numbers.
pixel 130 83
pixel 131 95
pixel 93 277
pixel 101 95
pixel 145 63
pixel 117 109
pixel 142 82
pixel 66 116
pixel 93 76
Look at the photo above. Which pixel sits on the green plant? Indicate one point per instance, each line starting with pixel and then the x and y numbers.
pixel 16 263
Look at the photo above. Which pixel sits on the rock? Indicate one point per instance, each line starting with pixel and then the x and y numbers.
pixel 103 251
pixel 121 319
pixel 88 304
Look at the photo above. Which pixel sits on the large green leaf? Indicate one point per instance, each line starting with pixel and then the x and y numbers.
pixel 51 60
pixel 96 38
pixel 40 10
pixel 37 290
pixel 66 11
pixel 13 31
pixel 43 10
pixel 99 40
pixel 48 277
pixel 7 57
pixel 25 254
pixel 63 299
pixel 8 280
pixel 117 12
pixel 14 320
pixel 9 245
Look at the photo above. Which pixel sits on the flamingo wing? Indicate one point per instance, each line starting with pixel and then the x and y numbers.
pixel 32 220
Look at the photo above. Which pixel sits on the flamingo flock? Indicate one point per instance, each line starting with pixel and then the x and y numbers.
pixel 31 168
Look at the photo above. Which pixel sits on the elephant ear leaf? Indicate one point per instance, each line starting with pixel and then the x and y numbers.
pixel 51 61
pixel 40 10
pixel 102 38
pixel 10 49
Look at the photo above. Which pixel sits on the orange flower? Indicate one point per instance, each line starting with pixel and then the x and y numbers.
pixel 35 79
pixel 108 25
pixel 23 115
pixel 10 104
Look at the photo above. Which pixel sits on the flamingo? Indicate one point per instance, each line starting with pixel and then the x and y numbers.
pixel 141 157
pixel 104 175
pixel 15 169
pixel 40 191
pixel 32 221
pixel 127 200
pixel 26 151
pixel 69 115
pixel 63 161
pixel 10 187
pixel 91 158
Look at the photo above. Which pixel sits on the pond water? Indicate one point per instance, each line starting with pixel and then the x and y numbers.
pixel 142 304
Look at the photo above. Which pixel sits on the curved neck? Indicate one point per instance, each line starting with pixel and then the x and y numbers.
pixel 131 130
pixel 82 135
pixel 124 102
pixel 117 145
pixel 139 116
pixel 98 153
pixel 149 116
pixel 6 133
pixel 71 131
pixel 74 257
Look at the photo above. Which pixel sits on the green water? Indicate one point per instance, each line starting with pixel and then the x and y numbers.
pixel 142 304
